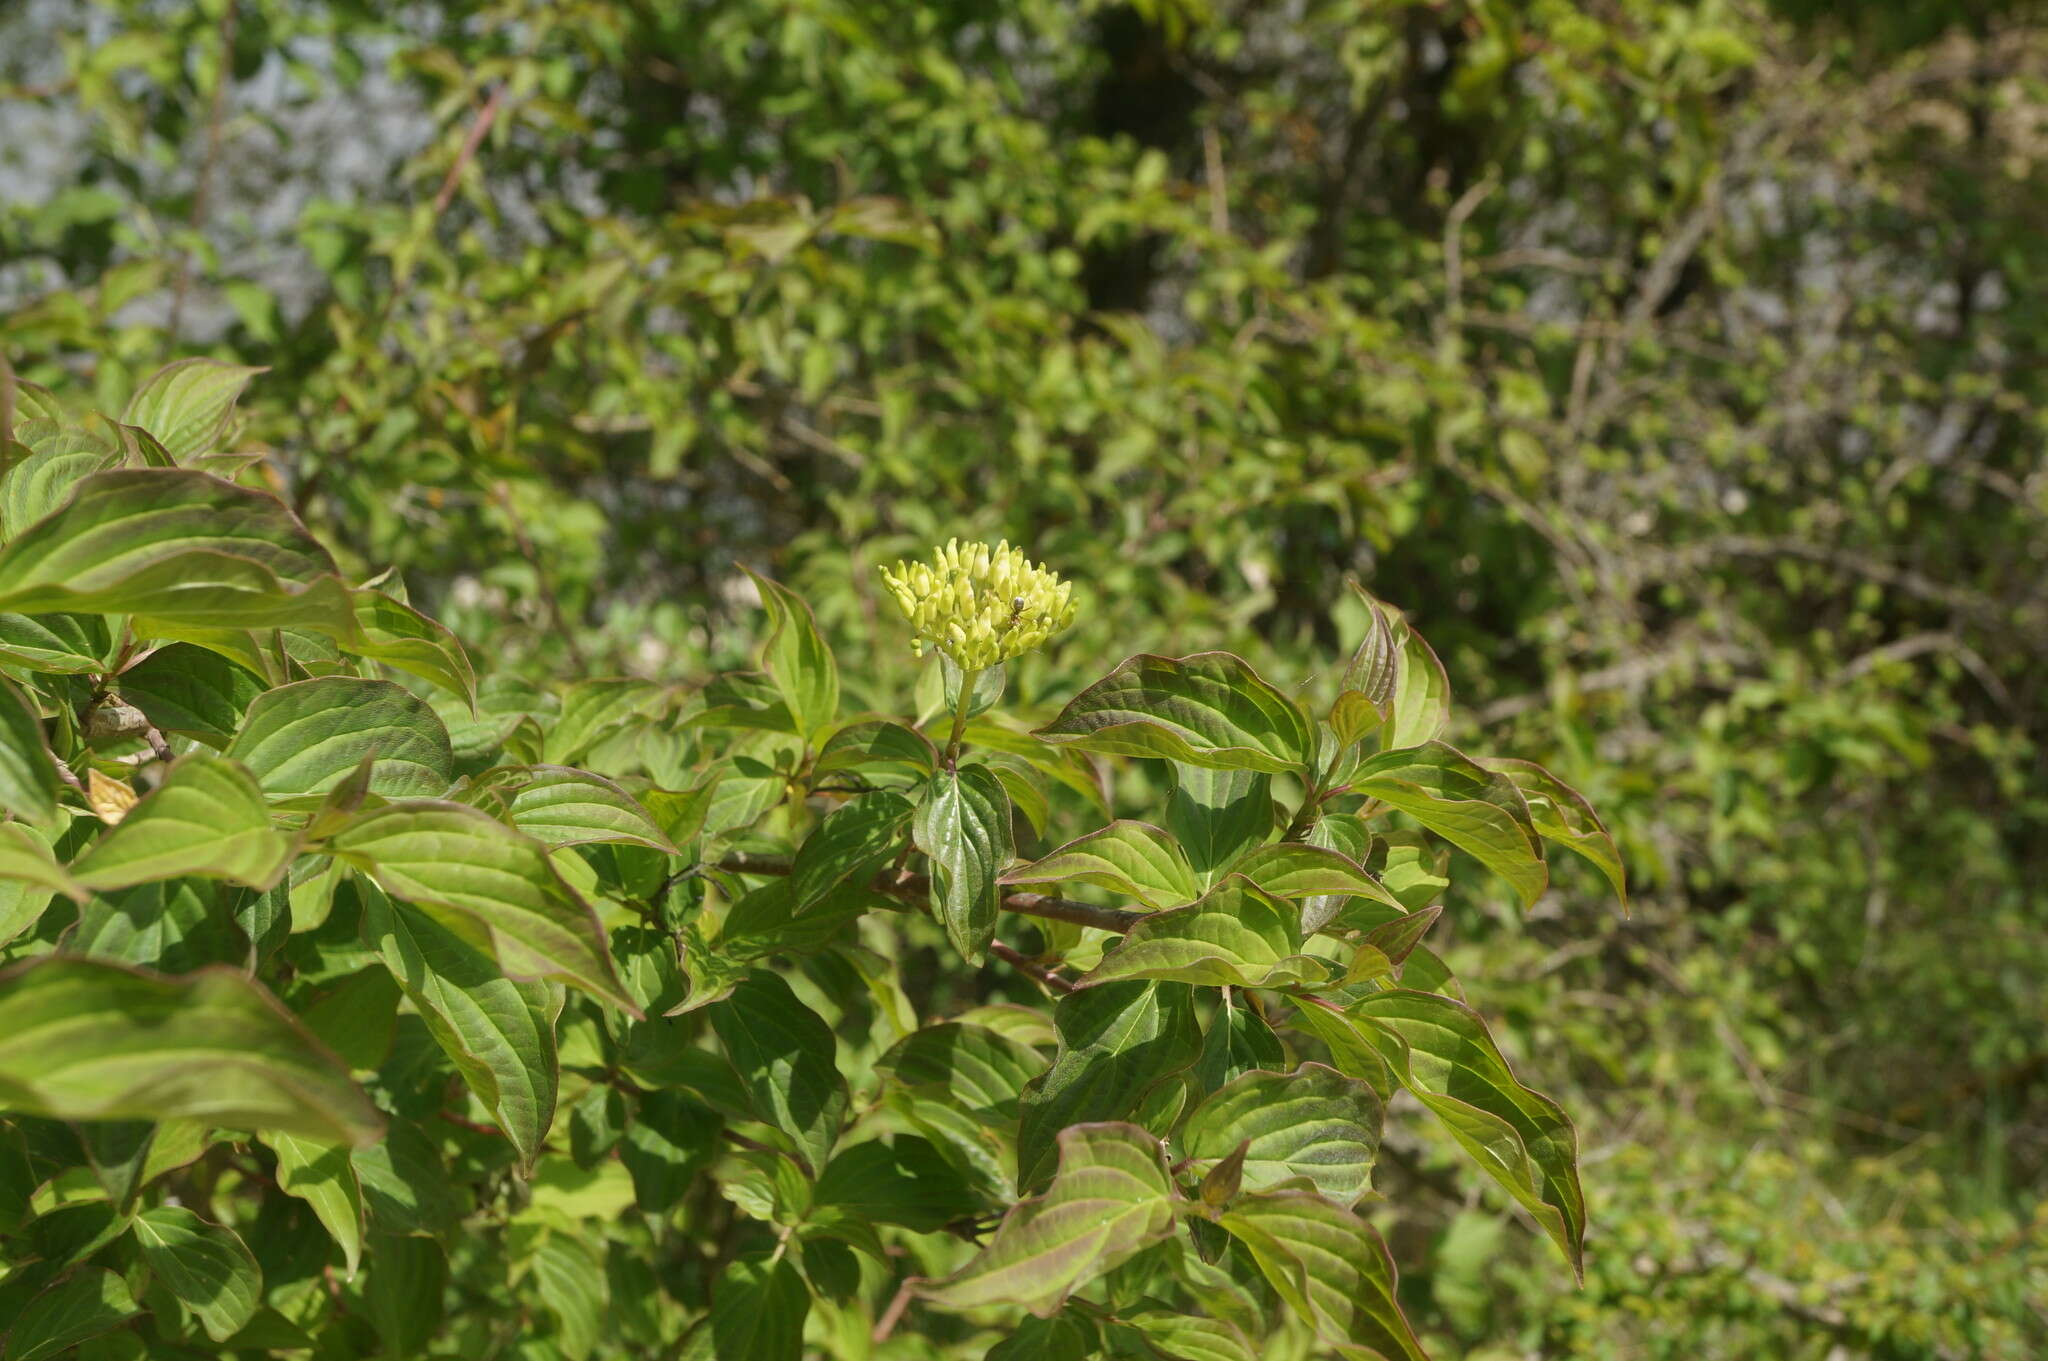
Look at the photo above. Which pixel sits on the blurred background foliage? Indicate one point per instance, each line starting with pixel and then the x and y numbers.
pixel 1680 365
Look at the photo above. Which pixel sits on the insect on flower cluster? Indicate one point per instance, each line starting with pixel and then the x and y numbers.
pixel 980 605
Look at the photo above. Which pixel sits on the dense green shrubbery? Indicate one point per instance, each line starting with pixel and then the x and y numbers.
pixel 627 1019
pixel 1678 363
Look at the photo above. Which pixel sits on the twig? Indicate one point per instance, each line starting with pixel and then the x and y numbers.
pixel 478 130
pixel 1454 247
pixel 1067 910
pixel 1212 171
pixel 472 1126
pixel 158 747
pixel 1033 968
pixel 891 1316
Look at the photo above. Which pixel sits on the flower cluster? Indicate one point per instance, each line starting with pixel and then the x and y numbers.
pixel 980 605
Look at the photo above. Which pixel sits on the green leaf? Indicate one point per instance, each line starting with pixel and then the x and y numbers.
pixel 1347 834
pixel 1313 1122
pixel 1397 939
pixel 851 845
pixel 186 689
pixel 306 738
pixel 1184 1337
pixel 1068 766
pixel 1116 1043
pixel 499 1034
pixel 568 1274
pixel 207 817
pixel 492 886
pixel 1066 1337
pixel 1238 1041
pixel 77 1308
pixel 403 1292
pixel 1210 709
pixel 140 448
pixel 28 772
pixel 988 686
pixel 406 1187
pixel 569 1194
pixel 207 1267
pixel 1330 1268
pixel 742 699
pixel 594 709
pixel 1109 1199
pixel 667 1142
pixel 1289 869
pixel 180 546
pixel 563 806
pixel 764 921
pixel 1235 936
pixel 784 1055
pixel 876 744
pixel 173 925
pixel 1412 870
pixel 963 825
pixel 903 1181
pixel 1366 694
pixel 758 1309
pixel 1218 815
pixel 1561 814
pixel 84 1040
pixel 29 876
pixel 321 1174
pixel 119 1152
pixel 1374 665
pixel 60 459
pixel 356 1015
pixel 975 1068
pixel 796 657
pixel 1441 1050
pixel 69 644
pixel 188 403
pixel 1026 790
pixel 399 636
pixel 1479 812
pixel 1132 858
pixel 1398 672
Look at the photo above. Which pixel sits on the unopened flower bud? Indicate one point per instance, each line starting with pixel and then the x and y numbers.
pixel 980 605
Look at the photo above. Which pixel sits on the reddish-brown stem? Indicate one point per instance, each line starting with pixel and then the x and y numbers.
pixel 477 132
pixel 886 1324
pixel 1026 965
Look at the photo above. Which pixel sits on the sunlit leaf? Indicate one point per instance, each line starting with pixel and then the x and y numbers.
pixel 1236 935
pixel 307 737
pixel 188 403
pixel 1133 858
pixel 1109 1198
pixel 492 886
pixel 1313 1123
pixel 85 1040
pixel 207 817
pixel 963 825
pixel 1210 709
pixel 1330 1268
pixel 1116 1043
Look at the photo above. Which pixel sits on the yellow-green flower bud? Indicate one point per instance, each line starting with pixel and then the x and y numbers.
pixel 980 605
